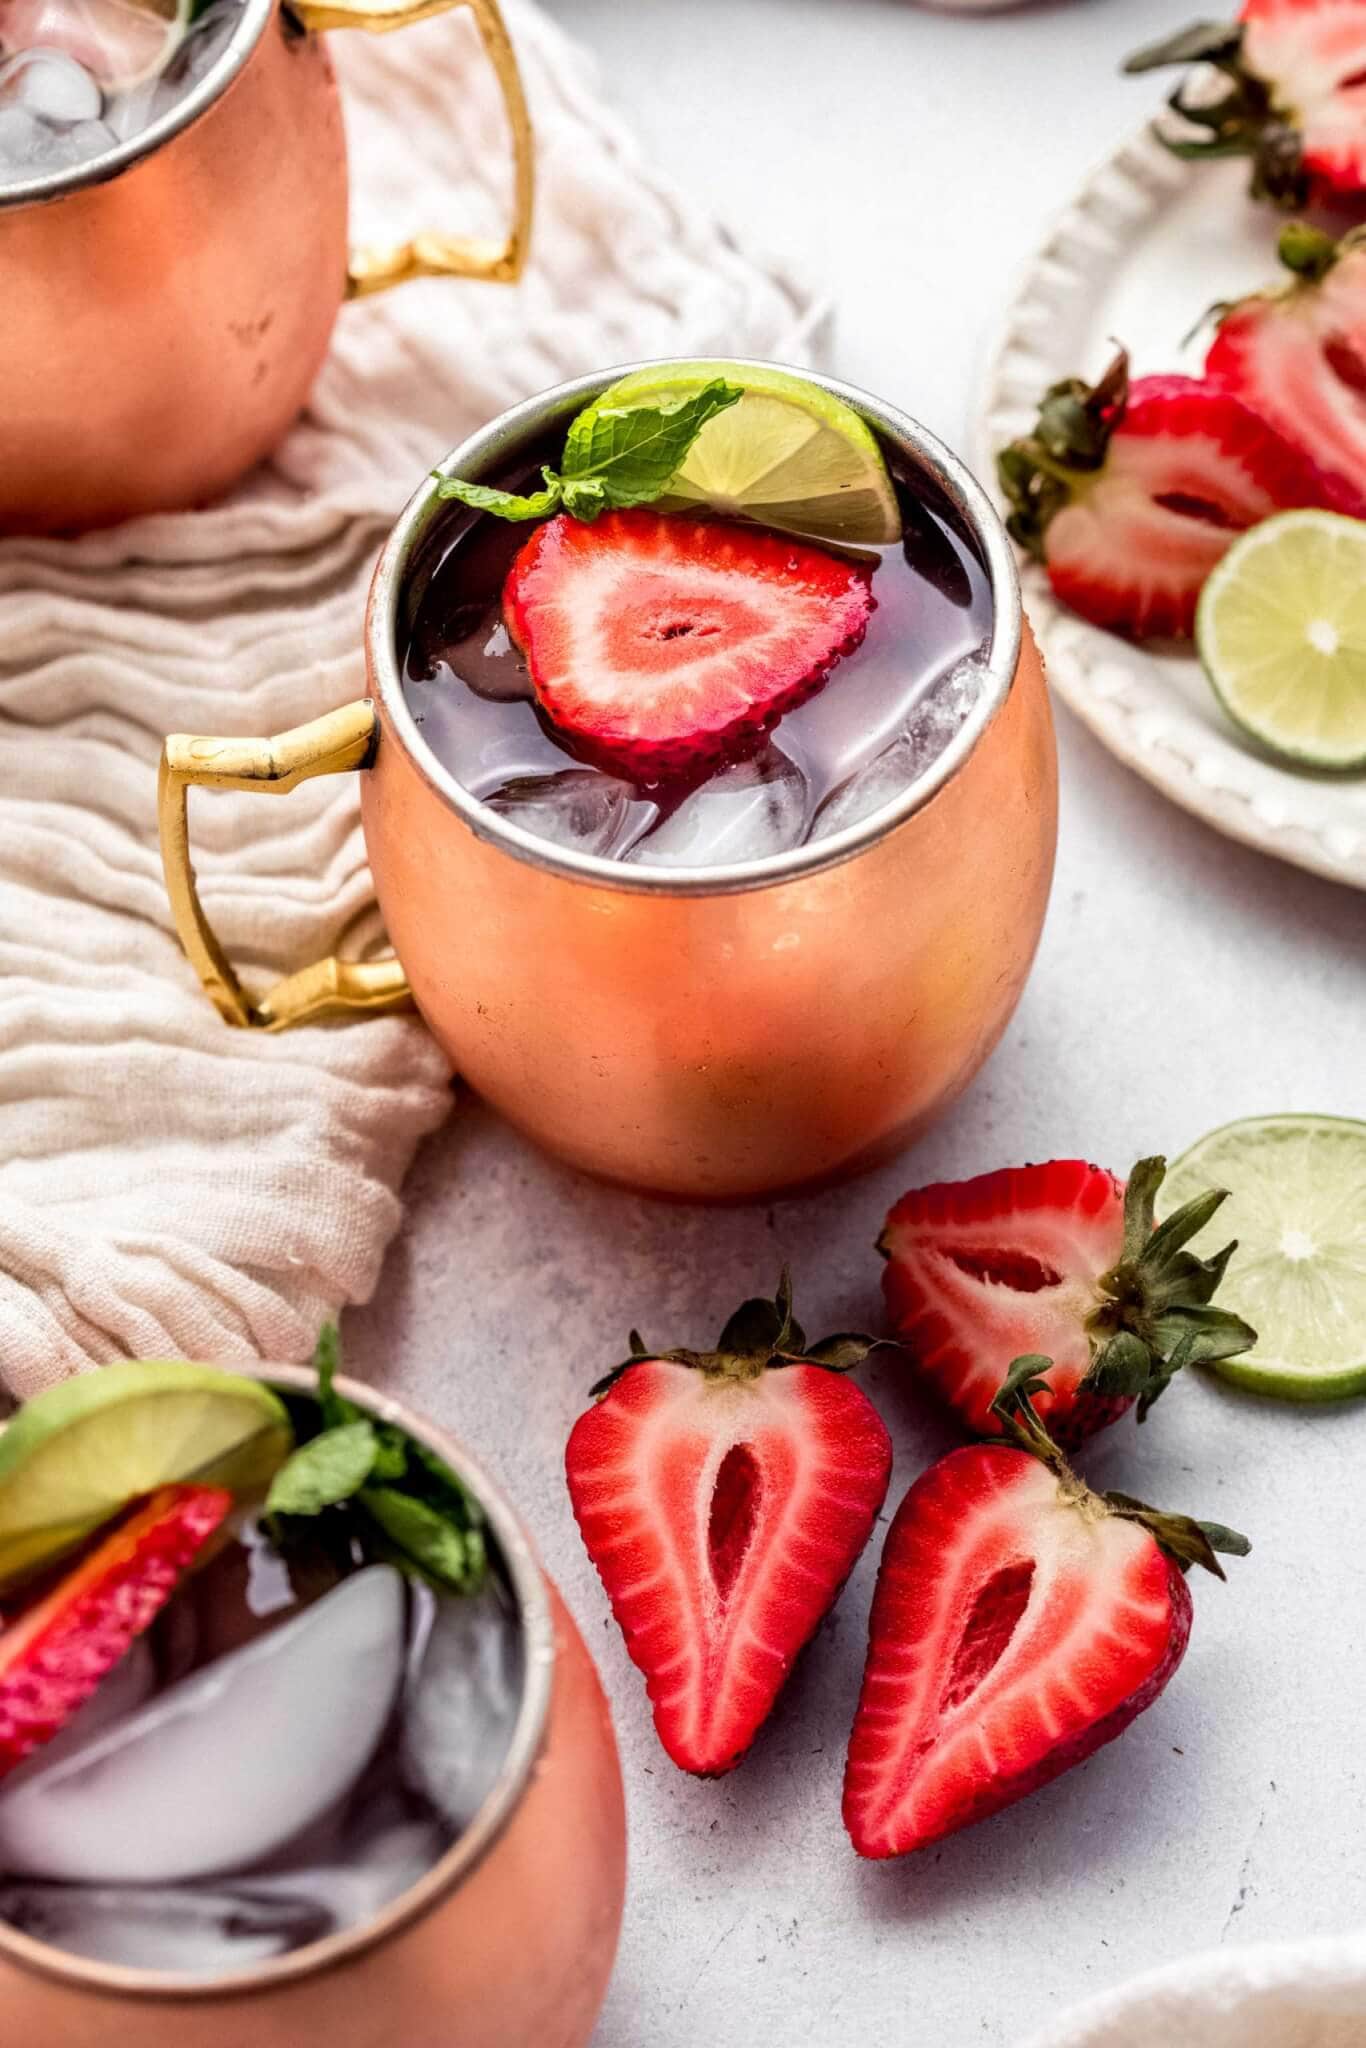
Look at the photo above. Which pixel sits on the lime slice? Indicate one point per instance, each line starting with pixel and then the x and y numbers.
pixel 77 1454
pixel 789 455
pixel 1281 629
pixel 1297 1206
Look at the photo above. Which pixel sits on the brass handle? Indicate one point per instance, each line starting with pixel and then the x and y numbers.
pixel 330 745
pixel 436 255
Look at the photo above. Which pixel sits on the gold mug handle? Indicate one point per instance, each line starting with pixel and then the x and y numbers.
pixel 436 255
pixel 331 745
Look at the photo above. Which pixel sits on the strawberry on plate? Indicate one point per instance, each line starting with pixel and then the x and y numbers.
pixel 1129 494
pixel 1290 94
pixel 724 1497
pixel 1297 354
pixel 1019 1622
pixel 1062 1259
pixel 55 1652
pixel 658 642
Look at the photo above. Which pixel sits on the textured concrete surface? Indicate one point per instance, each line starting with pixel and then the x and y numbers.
pixel 909 159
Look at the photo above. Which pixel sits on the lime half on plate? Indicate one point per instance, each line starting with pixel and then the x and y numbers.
pixel 789 455
pixel 1281 630
pixel 76 1455
pixel 1297 1206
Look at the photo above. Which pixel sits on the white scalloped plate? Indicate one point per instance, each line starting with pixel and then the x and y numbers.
pixel 1147 245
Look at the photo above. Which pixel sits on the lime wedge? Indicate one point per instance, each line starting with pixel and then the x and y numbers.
pixel 789 455
pixel 1297 1206
pixel 79 1453
pixel 1281 629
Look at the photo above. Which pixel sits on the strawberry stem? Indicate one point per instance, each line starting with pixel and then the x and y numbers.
pixel 1156 1313
pixel 762 1336
pixel 1181 1536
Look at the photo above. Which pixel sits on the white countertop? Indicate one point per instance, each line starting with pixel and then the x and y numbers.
pixel 908 161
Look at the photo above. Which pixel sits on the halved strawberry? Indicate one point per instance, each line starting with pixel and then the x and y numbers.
pixel 1293 96
pixel 1297 354
pixel 1130 494
pixel 1061 1259
pixel 724 1497
pixel 54 1653
pixel 1019 1622
pixel 658 642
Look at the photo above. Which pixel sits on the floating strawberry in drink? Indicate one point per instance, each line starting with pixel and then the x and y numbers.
pixel 54 1655
pixel 724 1497
pixel 1129 494
pixel 1061 1258
pixel 1020 1621
pixel 659 642
pixel 1297 354
pixel 1292 95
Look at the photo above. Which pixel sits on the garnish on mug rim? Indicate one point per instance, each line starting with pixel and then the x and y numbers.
pixel 614 457
pixel 426 1521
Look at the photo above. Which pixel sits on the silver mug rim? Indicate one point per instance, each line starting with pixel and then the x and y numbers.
pixel 500 439
pixel 470 1848
pixel 112 163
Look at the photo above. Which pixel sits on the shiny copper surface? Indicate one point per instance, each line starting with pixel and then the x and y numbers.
pixel 508 1943
pixel 729 1045
pixel 162 329
pixel 723 1033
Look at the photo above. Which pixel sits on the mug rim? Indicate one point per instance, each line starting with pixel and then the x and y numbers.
pixel 500 438
pixel 99 170
pixel 469 1849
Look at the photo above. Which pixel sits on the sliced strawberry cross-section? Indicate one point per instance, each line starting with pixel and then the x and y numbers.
pixel 1297 355
pixel 55 1653
pixel 1019 1622
pixel 1130 494
pixel 724 1497
pixel 657 642
pixel 1061 1259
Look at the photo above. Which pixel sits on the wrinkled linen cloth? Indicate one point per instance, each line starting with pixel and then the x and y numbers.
pixel 169 1185
pixel 1308 1994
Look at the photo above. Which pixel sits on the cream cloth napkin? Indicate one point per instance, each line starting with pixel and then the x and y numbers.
pixel 168 1185
pixel 1309 1994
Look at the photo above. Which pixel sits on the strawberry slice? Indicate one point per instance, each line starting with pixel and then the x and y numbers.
pixel 1130 494
pixel 1297 354
pixel 724 1497
pixel 658 643
pixel 1291 96
pixel 1061 1259
pixel 55 1653
pixel 1020 1621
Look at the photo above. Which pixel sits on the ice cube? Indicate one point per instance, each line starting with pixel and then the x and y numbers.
pixel 54 87
pixel 185 1930
pixel 462 1704
pixel 577 808
pixel 223 1768
pixel 932 724
pixel 30 147
pixel 754 808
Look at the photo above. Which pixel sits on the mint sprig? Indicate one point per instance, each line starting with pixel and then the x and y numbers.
pixel 421 1517
pixel 614 457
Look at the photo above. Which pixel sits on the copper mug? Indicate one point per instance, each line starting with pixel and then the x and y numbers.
pixel 714 1033
pixel 507 1941
pixel 168 305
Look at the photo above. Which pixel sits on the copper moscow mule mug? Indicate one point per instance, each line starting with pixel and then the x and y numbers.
pixel 507 1941
pixel 167 305
pixel 715 1032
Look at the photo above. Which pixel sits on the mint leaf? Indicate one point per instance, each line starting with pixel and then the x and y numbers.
pixel 452 1556
pixel 331 1468
pixel 503 504
pixel 391 1452
pixel 614 456
pixel 636 451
